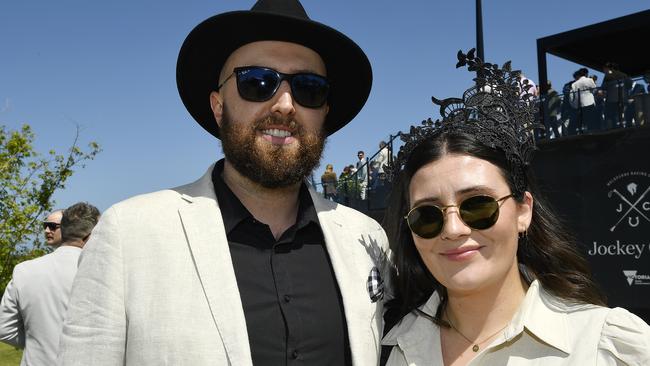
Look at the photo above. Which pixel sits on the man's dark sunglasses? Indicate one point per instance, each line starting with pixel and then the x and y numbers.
pixel 51 225
pixel 259 84
pixel 477 212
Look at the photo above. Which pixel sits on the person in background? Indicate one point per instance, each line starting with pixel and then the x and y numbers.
pixel 328 180
pixel 615 87
pixel 582 100
pixel 346 185
pixel 362 174
pixel 599 102
pixel 378 163
pixel 52 227
pixel 35 301
pixel 569 114
pixel 485 274
pixel 552 107
pixel 636 91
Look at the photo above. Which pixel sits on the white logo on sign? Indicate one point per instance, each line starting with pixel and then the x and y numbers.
pixel 633 208
pixel 630 276
pixel 633 278
pixel 632 188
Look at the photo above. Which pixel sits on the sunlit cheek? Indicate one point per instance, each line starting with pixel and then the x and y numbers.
pixel 426 251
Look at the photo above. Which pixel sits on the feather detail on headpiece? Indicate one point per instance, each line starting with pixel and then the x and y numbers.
pixel 498 111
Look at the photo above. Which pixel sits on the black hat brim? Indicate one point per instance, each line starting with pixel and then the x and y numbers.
pixel 210 43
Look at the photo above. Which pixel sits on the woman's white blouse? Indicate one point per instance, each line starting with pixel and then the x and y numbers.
pixel 545 331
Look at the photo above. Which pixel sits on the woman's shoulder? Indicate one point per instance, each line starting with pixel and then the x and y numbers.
pixel 620 334
pixel 625 336
pixel 413 324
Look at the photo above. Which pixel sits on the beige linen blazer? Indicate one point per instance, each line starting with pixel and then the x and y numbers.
pixel 156 284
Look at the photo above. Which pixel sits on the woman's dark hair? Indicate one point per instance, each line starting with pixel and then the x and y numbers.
pixel 549 253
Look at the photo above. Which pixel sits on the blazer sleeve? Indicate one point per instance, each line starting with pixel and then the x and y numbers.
pixel 94 332
pixel 12 330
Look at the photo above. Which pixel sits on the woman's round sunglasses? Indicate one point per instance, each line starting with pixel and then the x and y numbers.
pixel 477 212
pixel 259 84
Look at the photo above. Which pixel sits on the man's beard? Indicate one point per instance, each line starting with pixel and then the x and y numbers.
pixel 271 166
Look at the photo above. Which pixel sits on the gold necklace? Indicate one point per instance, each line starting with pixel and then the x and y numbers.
pixel 475 346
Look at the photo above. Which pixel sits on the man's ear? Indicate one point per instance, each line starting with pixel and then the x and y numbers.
pixel 216 103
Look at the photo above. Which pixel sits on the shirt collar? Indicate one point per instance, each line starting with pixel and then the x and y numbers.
pixel 540 314
pixel 67 248
pixel 234 212
pixel 413 321
pixel 415 333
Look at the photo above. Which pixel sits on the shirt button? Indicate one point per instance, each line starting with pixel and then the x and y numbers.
pixel 287 298
pixel 295 354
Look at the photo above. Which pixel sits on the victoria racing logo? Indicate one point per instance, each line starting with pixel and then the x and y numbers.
pixel 630 190
pixel 636 279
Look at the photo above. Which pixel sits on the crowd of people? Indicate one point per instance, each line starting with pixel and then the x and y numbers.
pixel 582 107
pixel 249 265
pixel 586 107
pixel 356 180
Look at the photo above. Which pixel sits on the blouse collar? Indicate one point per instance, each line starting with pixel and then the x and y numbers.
pixel 540 314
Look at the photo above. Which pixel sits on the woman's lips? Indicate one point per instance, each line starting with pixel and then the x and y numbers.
pixel 461 254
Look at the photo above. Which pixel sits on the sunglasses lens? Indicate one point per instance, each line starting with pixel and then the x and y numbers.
pixel 425 221
pixel 310 90
pixel 50 225
pixel 257 84
pixel 479 212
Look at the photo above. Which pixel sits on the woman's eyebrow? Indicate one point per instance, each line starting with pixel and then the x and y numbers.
pixel 476 189
pixel 465 191
pixel 430 199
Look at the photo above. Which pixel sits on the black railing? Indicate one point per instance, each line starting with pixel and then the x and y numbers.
pixel 567 113
pixel 367 188
pixel 562 113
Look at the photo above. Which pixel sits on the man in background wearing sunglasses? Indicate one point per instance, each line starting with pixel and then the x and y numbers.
pixel 52 227
pixel 247 265
pixel 35 301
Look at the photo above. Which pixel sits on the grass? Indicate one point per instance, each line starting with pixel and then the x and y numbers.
pixel 9 356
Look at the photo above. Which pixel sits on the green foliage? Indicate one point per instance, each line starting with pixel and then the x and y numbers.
pixel 348 186
pixel 9 356
pixel 27 182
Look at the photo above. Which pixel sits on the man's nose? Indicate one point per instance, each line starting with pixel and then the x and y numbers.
pixel 284 102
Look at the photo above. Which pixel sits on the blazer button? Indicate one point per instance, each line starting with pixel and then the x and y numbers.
pixel 287 298
pixel 295 354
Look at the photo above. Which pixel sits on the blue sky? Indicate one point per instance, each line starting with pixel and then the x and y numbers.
pixel 109 66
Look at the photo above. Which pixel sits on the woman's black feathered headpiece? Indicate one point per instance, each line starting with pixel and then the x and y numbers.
pixel 498 110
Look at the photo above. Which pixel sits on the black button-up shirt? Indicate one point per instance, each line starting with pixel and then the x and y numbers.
pixel 292 303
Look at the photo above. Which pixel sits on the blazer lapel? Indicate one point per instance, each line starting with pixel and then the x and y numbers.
pixel 203 225
pixel 340 247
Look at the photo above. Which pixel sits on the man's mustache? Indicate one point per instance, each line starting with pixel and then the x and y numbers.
pixel 273 120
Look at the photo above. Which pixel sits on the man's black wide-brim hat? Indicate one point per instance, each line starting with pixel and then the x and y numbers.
pixel 210 43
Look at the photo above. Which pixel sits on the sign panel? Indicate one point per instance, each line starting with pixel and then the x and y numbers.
pixel 600 186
